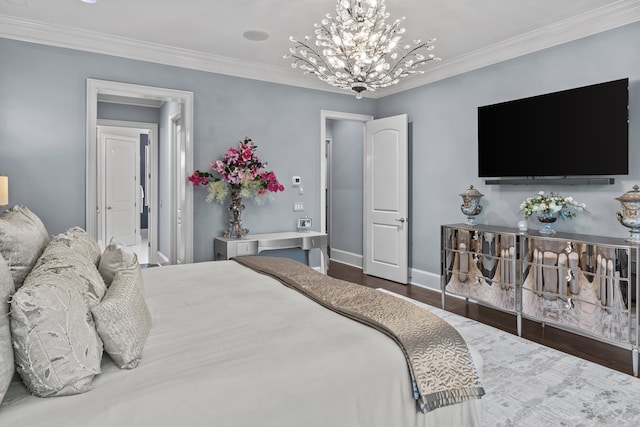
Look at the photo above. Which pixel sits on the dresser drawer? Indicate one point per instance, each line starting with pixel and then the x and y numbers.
pixel 246 248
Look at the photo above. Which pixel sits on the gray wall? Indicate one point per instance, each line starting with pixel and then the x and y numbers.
pixel 443 117
pixel 347 183
pixel 130 113
pixel 42 133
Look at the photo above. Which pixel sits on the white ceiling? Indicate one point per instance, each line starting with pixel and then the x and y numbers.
pixel 207 34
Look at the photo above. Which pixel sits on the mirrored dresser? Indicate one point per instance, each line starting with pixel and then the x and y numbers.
pixel 581 283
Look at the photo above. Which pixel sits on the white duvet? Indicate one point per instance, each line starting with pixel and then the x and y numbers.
pixel 231 347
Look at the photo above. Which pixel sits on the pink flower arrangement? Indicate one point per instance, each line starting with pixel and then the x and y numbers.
pixel 241 170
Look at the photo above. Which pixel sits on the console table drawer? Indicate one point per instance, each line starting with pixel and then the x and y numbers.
pixel 246 248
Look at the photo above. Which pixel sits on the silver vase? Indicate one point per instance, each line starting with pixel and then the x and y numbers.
pixel 471 204
pixel 630 215
pixel 235 230
pixel 547 219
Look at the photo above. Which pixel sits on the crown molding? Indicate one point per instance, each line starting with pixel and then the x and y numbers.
pixel 605 18
pixel 608 17
pixel 89 41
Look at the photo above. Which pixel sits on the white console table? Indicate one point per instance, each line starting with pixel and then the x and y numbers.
pixel 253 244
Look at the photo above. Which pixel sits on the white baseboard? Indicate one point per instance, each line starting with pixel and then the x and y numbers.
pixel 345 257
pixel 425 279
pixel 420 278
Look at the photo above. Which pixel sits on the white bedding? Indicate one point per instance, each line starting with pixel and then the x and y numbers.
pixel 231 347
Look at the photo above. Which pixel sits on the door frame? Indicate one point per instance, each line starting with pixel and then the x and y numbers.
pixel 335 115
pixel 127 90
pixel 151 186
pixel 176 136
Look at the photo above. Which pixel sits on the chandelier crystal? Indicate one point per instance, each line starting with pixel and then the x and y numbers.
pixel 356 50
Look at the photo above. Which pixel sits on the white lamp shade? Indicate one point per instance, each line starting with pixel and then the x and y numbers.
pixel 4 190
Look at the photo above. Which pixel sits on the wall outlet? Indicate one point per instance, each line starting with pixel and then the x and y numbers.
pixel 298 206
pixel 296 181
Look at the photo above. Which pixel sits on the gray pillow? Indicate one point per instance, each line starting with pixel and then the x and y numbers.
pixel 56 347
pixel 122 318
pixel 115 258
pixel 7 367
pixel 82 272
pixel 23 237
pixel 82 243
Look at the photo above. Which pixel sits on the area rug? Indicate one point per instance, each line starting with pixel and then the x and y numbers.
pixel 530 385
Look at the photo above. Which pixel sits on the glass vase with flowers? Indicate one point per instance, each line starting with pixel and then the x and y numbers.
pixel 239 173
pixel 549 207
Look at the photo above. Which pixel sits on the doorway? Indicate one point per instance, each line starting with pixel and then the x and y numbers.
pixel 95 209
pixel 123 143
pixel 329 181
pixel 383 190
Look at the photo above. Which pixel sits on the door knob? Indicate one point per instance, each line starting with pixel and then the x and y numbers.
pixel 401 219
pixel 109 207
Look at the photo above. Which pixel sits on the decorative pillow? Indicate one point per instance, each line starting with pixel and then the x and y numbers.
pixel 122 318
pixel 23 237
pixel 7 367
pixel 81 242
pixel 82 272
pixel 115 258
pixel 57 350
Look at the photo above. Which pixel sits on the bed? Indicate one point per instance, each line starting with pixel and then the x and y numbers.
pixel 232 346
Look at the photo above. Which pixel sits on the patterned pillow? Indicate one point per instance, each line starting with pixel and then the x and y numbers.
pixel 115 258
pixel 59 257
pixel 81 242
pixel 122 318
pixel 23 237
pixel 56 347
pixel 7 367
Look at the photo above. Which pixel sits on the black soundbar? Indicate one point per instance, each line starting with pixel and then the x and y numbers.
pixel 551 181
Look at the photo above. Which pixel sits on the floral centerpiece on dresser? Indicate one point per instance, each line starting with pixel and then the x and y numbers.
pixel 549 207
pixel 240 173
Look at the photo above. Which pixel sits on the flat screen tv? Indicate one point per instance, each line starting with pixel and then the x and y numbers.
pixel 575 132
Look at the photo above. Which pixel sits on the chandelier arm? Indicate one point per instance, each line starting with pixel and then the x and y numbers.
pixel 348 64
pixel 375 25
pixel 329 67
pixel 315 68
pixel 406 55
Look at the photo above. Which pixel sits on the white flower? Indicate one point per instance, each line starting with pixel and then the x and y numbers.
pixel 551 204
pixel 554 207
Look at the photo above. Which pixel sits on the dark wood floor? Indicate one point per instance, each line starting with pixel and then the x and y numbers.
pixel 604 354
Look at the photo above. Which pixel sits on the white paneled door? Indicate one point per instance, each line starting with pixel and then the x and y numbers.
pixel 121 190
pixel 386 222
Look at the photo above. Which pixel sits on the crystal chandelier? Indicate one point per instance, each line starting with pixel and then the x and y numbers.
pixel 357 50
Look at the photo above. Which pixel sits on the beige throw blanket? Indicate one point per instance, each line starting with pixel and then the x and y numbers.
pixel 440 366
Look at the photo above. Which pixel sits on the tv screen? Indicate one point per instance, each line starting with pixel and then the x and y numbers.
pixel 582 131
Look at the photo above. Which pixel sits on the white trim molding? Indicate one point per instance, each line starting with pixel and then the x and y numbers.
pixel 98 87
pixel 425 279
pixel 344 257
pixel 611 16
